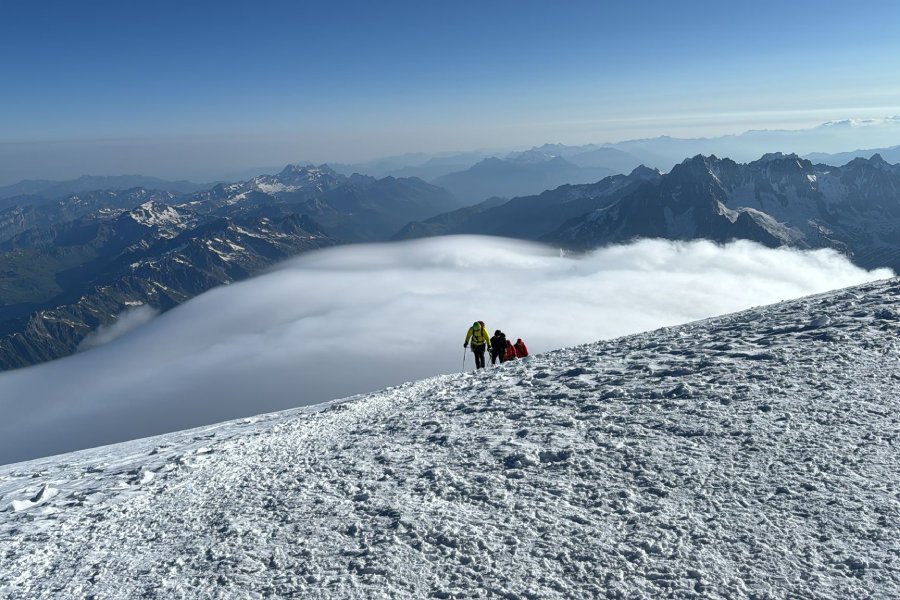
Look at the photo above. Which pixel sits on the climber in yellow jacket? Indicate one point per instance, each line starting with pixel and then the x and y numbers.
pixel 478 334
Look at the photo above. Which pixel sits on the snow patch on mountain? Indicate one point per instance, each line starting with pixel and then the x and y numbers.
pixel 170 220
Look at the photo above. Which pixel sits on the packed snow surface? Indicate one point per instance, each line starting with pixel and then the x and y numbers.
pixel 746 456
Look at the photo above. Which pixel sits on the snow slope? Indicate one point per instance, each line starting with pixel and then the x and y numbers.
pixel 746 456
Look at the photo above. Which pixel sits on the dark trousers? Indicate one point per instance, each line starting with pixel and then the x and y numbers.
pixel 478 351
pixel 496 355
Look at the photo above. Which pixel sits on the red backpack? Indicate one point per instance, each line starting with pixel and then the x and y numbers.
pixel 521 348
pixel 510 351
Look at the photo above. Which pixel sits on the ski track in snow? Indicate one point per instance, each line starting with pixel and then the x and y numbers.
pixel 746 456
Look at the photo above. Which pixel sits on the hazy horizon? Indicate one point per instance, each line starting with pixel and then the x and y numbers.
pixel 206 90
pixel 113 157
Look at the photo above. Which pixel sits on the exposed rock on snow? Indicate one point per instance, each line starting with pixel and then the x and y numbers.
pixel 747 456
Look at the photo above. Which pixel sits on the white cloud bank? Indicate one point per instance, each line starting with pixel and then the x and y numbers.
pixel 355 319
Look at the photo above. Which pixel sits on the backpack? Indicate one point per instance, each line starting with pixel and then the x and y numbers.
pixel 479 336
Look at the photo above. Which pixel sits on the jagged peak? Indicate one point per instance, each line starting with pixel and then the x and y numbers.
pixel 782 162
pixel 292 168
pixel 774 156
pixel 696 164
pixel 152 205
pixel 642 171
pixel 307 169
pixel 876 160
pixel 155 213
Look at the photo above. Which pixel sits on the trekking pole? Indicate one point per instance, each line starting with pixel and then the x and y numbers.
pixel 464 359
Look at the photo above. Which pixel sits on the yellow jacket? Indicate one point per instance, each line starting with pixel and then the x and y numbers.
pixel 481 337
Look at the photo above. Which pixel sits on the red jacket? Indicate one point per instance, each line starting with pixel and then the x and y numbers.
pixel 521 349
pixel 510 351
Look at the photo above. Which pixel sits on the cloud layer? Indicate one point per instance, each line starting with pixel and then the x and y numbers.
pixel 128 320
pixel 354 319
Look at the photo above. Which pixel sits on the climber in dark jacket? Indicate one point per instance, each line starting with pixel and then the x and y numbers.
pixel 498 346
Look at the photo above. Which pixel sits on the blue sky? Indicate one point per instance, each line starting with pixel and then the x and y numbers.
pixel 348 81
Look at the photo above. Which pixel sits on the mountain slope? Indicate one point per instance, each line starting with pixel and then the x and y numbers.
pixel 357 208
pixel 155 255
pixel 776 200
pixel 71 265
pixel 751 455
pixel 530 217
pixel 26 215
pixel 690 202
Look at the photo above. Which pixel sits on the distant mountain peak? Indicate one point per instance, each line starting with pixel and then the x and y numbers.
pixel 644 172
pixel 877 161
pixel 696 165
pixel 773 156
pixel 292 168
pixel 154 213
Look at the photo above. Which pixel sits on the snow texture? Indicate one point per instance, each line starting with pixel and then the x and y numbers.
pixel 746 456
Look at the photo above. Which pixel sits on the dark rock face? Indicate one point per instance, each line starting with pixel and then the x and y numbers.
pixel 149 268
pixel 530 217
pixel 776 200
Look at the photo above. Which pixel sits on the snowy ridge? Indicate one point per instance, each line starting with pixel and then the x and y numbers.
pixel 291 179
pixel 746 456
pixel 170 220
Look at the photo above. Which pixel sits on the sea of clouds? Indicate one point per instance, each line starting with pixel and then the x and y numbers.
pixel 358 318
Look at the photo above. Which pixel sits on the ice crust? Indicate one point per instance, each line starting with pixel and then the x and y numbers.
pixel 748 456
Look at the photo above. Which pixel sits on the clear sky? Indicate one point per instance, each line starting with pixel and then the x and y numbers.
pixel 263 82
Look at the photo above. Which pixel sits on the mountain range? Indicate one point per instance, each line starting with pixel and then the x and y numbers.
pixel 776 200
pixel 522 174
pixel 662 152
pixel 70 265
pixel 43 190
pixel 839 159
